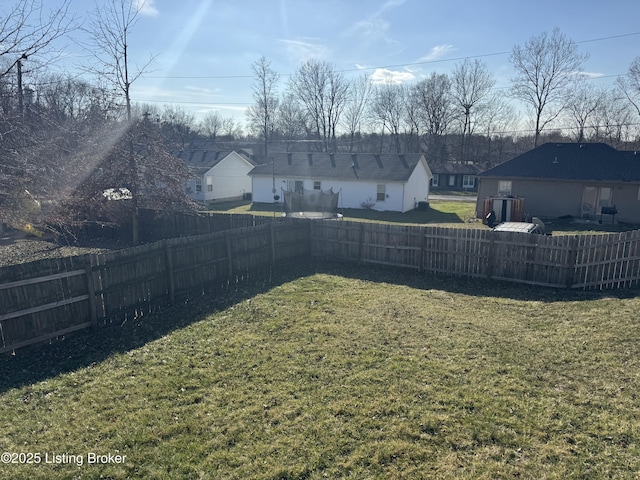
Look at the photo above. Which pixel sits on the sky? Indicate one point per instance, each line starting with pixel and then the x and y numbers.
pixel 203 49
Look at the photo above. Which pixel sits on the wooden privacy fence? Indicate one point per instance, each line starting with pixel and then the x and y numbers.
pixel 49 298
pixel 156 226
pixel 569 261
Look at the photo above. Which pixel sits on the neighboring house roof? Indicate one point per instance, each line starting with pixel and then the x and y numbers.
pixel 340 166
pixel 201 161
pixel 571 161
pixel 452 168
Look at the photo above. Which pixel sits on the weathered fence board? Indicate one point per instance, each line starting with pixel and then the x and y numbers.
pixel 43 300
pixel 574 261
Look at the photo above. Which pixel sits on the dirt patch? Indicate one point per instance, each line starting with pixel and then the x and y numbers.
pixel 18 247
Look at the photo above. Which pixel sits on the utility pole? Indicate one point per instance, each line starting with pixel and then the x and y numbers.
pixel 20 92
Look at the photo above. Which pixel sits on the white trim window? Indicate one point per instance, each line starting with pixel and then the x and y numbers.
pixel 209 184
pixel 468 181
pixel 504 187
pixel 381 194
pixel 436 177
pixel 198 185
pixel 317 185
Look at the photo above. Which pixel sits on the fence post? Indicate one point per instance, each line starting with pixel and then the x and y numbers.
pixel 272 241
pixel 91 290
pixel 170 278
pixel 491 259
pixel 423 247
pixel 572 257
pixel 227 243
pixel 361 243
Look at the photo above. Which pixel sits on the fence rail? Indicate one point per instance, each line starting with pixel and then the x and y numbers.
pixel 49 298
pixel 564 261
pixel 58 296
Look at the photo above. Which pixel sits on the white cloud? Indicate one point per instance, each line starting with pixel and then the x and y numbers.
pixel 371 28
pixel 437 53
pixel 303 50
pixel 390 77
pixel 146 7
pixel 590 75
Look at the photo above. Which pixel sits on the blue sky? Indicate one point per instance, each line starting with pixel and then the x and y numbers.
pixel 205 48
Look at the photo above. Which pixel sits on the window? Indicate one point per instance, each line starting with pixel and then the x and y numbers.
pixel 605 197
pixel 295 186
pixel 436 177
pixel 504 187
pixel 209 184
pixel 452 180
pixel 468 181
pixel 317 185
pixel 198 185
pixel 382 193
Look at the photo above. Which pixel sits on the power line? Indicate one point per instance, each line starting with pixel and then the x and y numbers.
pixel 398 65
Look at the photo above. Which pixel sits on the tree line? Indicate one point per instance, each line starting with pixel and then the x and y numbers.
pixel 457 116
pixel 79 149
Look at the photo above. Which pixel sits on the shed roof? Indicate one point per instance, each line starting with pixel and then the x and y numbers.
pixel 572 161
pixel 340 166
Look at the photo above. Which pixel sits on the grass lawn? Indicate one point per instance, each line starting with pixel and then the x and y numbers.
pixel 441 212
pixel 344 372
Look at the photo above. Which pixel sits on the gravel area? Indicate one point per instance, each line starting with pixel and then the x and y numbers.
pixel 16 247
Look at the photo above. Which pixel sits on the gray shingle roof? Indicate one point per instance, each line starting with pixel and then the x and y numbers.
pixel 571 161
pixel 340 166
pixel 452 168
pixel 201 160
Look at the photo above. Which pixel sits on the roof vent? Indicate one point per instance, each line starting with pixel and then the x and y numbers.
pixel 310 158
pixel 555 160
pixel 289 158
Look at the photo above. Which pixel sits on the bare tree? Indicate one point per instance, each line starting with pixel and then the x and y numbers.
pixel 110 28
pixel 26 30
pixel 433 96
pixel 546 68
pixel 388 107
pixel 291 120
pixel 323 93
pixel 471 84
pixel 263 113
pixel 211 125
pixel 613 118
pixel 355 107
pixel 583 105
pixel 630 84
pixel 177 125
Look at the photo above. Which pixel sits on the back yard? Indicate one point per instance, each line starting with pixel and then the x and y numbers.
pixel 344 372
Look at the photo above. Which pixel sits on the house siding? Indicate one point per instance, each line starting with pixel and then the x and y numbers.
pixel 544 198
pixel 352 194
pixel 230 178
pixel 417 188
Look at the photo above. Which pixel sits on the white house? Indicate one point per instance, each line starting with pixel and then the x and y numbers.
pixel 393 182
pixel 218 175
